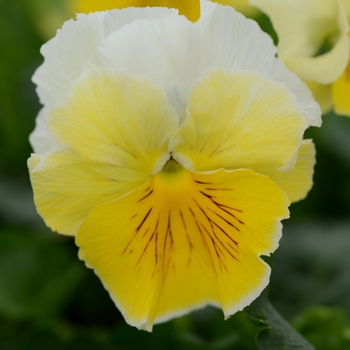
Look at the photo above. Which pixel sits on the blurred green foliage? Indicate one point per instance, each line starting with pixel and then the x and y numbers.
pixel 20 45
pixel 49 300
pixel 45 274
pixel 326 328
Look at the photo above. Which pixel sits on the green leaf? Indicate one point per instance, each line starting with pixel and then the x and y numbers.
pixel 277 333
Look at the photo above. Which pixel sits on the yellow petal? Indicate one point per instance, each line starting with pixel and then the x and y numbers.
pixel 116 119
pixel 188 8
pixel 322 94
pixel 183 240
pixel 238 119
pixel 341 93
pixel 303 27
pixel 113 133
pixel 67 187
pixel 297 183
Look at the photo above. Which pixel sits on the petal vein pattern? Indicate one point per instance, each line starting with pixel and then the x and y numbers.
pixel 239 119
pixel 171 150
pixel 184 240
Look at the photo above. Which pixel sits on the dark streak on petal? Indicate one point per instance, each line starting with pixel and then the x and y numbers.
pixel 132 154
pixel 185 227
pixel 147 195
pixel 202 183
pixel 229 223
pixel 143 221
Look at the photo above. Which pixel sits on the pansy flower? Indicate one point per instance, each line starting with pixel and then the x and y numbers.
pixel 314 43
pixel 171 150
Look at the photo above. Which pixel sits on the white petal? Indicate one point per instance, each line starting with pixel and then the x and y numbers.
pixel 66 54
pixel 40 139
pixel 116 19
pixel 177 53
pixel 255 50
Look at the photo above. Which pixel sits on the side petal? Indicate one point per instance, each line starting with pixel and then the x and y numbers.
pixel 116 119
pixel 67 187
pixel 184 52
pixel 111 134
pixel 302 27
pixel 40 139
pixel 341 93
pixel 236 120
pixel 184 240
pixel 297 183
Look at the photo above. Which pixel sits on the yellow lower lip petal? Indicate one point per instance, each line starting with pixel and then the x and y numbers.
pixel 183 240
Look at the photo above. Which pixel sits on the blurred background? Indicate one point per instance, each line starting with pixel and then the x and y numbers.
pixel 49 300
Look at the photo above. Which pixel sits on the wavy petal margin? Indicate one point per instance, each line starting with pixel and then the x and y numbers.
pixel 184 240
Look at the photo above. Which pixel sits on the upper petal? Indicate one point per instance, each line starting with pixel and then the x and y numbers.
pixel 182 53
pixel 65 56
pixel 239 119
pixel 67 53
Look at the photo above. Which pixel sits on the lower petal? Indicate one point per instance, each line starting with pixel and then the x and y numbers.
pixel 184 240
